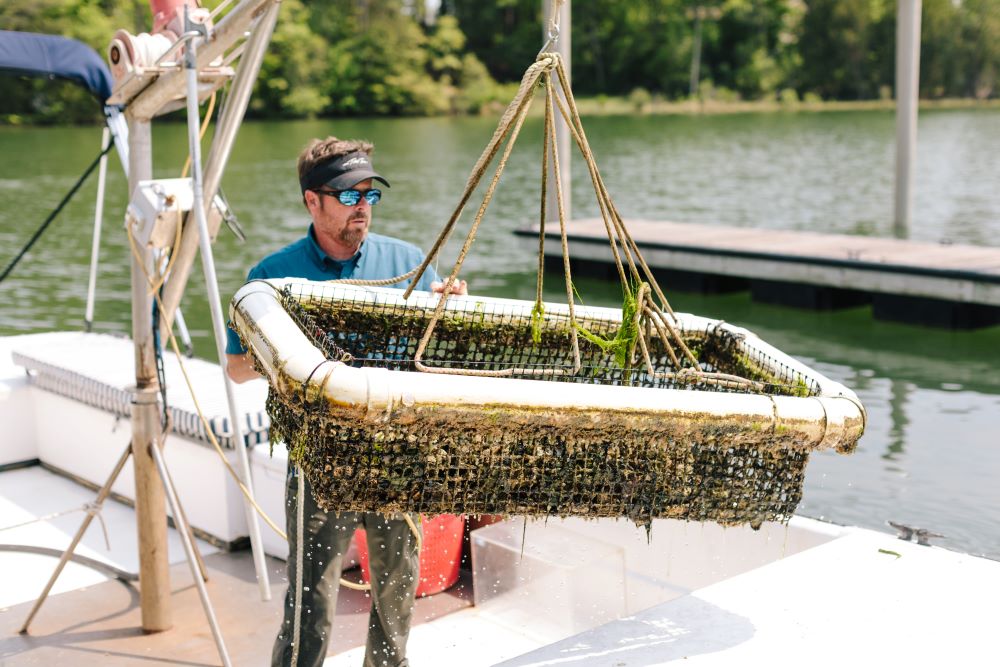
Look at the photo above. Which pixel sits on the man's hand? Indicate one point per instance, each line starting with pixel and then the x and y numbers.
pixel 240 368
pixel 457 287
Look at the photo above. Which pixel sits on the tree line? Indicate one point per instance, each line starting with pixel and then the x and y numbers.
pixel 398 57
pixel 754 49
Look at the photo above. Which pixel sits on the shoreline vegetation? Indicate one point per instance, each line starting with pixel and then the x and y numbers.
pixel 389 58
pixel 625 106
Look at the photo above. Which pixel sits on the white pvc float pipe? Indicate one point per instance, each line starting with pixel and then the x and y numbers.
pixel 832 417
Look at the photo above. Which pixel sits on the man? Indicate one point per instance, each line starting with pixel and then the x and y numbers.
pixel 339 189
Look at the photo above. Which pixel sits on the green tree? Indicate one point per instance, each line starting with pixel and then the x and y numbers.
pixel 293 73
pixel 383 61
pixel 751 47
pixel 504 34
pixel 380 66
pixel 40 100
pixel 979 34
pixel 848 47
pixel 377 56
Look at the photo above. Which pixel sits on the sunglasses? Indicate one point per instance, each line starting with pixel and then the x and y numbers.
pixel 352 197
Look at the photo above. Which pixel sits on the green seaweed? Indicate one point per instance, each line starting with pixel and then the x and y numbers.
pixel 628 331
pixel 537 317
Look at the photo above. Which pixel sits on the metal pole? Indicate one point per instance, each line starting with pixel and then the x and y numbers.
pixel 101 497
pixel 116 122
pixel 185 532
pixel 168 483
pixel 150 509
pixel 183 332
pixel 214 304
pixel 102 171
pixel 232 114
pixel 907 89
pixel 222 143
pixel 563 47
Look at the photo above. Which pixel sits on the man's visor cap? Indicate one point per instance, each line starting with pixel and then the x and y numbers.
pixel 341 173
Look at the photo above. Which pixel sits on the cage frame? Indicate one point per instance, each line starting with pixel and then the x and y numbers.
pixel 688 428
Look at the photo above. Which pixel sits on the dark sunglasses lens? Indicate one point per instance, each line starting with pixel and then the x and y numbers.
pixel 349 197
pixel 352 197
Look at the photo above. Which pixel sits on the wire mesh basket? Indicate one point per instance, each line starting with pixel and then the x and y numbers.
pixel 727 441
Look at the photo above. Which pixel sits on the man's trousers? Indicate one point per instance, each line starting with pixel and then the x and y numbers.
pixel 394 566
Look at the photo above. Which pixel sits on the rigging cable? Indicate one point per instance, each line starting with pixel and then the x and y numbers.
pixel 52 216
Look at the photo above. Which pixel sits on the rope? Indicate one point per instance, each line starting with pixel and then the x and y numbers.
pixel 201 132
pixel 381 282
pixel 58 209
pixel 647 312
pixel 618 234
pixel 652 310
pixel 92 563
pixel 201 415
pixel 516 107
pixel 508 128
pixel 93 509
pixel 538 310
pixel 563 237
pixel 300 526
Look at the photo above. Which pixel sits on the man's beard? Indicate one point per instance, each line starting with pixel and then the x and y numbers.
pixel 352 235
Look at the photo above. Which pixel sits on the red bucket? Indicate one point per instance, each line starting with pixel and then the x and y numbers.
pixel 440 553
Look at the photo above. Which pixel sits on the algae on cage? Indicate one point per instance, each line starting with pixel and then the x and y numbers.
pixel 534 462
pixel 530 461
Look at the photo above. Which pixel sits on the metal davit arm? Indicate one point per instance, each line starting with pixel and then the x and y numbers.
pixel 170 85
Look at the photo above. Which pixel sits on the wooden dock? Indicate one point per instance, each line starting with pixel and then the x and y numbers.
pixel 954 286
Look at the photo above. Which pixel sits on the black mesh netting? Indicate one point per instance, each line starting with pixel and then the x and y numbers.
pixel 500 336
pixel 536 462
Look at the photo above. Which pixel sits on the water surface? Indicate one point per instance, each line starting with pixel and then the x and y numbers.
pixel 931 454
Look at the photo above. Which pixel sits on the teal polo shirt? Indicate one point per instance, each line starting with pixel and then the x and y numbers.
pixel 379 257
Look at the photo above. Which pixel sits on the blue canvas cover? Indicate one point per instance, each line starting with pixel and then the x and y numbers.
pixel 32 54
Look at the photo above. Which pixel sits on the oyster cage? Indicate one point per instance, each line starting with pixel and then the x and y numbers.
pixel 373 433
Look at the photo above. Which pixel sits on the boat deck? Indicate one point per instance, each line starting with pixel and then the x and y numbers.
pixel 865 598
pixel 853 596
pixel 100 625
pixel 94 620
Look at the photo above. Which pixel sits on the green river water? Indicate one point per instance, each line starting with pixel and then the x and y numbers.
pixel 931 454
